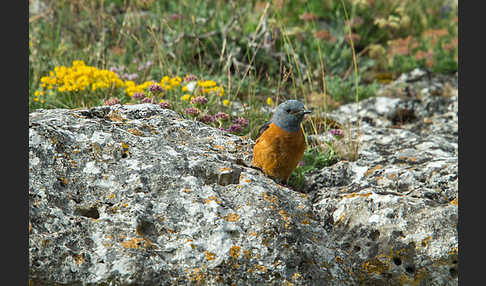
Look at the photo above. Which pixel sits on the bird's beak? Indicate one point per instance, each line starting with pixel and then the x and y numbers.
pixel 307 111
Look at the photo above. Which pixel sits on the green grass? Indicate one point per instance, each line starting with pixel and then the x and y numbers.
pixel 254 49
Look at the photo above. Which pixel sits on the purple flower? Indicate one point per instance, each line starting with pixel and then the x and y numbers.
pixel 241 121
pixel 129 76
pixel 155 88
pixel 235 128
pixel 206 118
pixel 165 105
pixel 199 100
pixel 190 77
pixel 221 115
pixel 112 101
pixel 139 95
pixel 148 100
pixel 302 163
pixel 145 66
pixel 337 132
pixel 192 111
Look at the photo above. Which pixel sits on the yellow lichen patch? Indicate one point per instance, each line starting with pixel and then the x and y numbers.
pixel 261 268
pixel 235 251
pixel 425 241
pixel 236 266
pixel 64 180
pixel 339 259
pixel 305 221
pixel 30 227
pixel 232 217
pixel 296 275
pixel 415 280
pixel 111 196
pixel 287 283
pixel 213 198
pixel 285 216
pixel 370 171
pixel 375 265
pixel 219 147
pixel 78 258
pixel 253 233
pixel 455 201
pixel 304 196
pixel 453 251
pixel 247 254
pixel 356 195
pixel 135 131
pixel 270 198
pixel 210 255
pixel 248 180
pixel 392 176
pixel 195 274
pixel 186 191
pixel 132 243
pixel 224 169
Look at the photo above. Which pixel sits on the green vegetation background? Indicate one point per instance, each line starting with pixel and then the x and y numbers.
pixel 258 52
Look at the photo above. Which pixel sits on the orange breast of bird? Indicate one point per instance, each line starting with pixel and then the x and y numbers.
pixel 277 152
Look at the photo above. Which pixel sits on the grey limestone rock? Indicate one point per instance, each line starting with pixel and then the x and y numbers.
pixel 394 210
pixel 138 195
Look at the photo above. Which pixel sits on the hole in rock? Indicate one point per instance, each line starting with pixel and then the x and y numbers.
pixel 89 212
pixel 397 261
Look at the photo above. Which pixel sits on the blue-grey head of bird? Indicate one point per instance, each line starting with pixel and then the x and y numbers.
pixel 289 115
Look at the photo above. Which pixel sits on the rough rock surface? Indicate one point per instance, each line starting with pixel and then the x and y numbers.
pixel 137 195
pixel 394 210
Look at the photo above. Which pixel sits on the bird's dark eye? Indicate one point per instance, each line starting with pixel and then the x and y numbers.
pixel 287 110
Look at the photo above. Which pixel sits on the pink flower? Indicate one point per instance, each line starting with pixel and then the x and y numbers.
pixel 192 111
pixel 235 128
pixel 148 100
pixel 139 95
pixel 241 121
pixel 155 88
pixel 190 77
pixel 337 132
pixel 199 100
pixel 221 115
pixel 206 118
pixel 165 105
pixel 112 101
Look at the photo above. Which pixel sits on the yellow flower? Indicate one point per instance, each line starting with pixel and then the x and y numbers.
pixel 206 83
pixel 226 102
pixel 184 88
pixel 39 93
pixel 185 97
pixel 269 101
pixel 221 91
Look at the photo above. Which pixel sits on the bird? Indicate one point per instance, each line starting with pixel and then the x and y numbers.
pixel 280 143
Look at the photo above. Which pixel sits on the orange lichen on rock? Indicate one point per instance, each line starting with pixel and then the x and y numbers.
pixel 232 217
pixel 210 255
pixel 235 251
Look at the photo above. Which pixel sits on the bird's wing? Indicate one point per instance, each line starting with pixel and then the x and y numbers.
pixel 262 129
